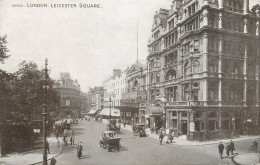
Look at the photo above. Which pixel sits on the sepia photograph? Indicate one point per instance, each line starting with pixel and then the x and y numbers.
pixel 129 82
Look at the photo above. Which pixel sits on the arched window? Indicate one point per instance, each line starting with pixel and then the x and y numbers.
pixel 186 68
pixel 196 65
pixel 171 74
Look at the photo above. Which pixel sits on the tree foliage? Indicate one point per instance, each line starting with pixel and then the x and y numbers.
pixel 3 49
pixel 27 94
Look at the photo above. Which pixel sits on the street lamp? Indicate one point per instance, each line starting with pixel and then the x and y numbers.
pixel 45 87
pixel 110 104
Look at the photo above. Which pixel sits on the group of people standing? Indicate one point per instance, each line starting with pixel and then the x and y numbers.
pixel 170 136
pixel 230 148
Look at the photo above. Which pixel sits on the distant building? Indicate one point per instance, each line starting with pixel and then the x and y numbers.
pixel 133 103
pixel 97 98
pixel 70 95
pixel 114 86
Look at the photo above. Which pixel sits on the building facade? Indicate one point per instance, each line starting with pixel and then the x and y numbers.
pixel 114 86
pixel 70 94
pixel 97 98
pixel 203 69
pixel 133 103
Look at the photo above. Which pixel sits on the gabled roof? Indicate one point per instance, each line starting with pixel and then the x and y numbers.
pixel 136 67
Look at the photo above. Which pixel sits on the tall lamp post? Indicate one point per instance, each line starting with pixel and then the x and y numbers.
pixel 45 87
pixel 110 104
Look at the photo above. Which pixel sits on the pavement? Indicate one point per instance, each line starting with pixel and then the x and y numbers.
pixel 182 141
pixel 34 156
pixel 240 159
pixel 249 158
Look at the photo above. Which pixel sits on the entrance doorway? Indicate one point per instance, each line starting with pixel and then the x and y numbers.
pixel 184 127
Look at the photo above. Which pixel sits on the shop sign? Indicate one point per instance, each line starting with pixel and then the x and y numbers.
pixel 249 120
pixel 192 127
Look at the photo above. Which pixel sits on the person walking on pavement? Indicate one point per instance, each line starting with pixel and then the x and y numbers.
pixel 255 145
pixel 221 149
pixel 161 136
pixel 72 139
pixel 232 147
pixel 228 148
pixel 47 147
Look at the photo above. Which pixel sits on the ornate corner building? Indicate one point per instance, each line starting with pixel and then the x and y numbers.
pixel 203 69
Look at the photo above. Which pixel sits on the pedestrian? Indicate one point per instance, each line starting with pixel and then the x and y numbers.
pixel 171 134
pixel 47 147
pixel 161 136
pixel 228 148
pixel 58 143
pixel 65 140
pixel 53 161
pixel 232 147
pixel 255 145
pixel 57 134
pixel 221 149
pixel 73 137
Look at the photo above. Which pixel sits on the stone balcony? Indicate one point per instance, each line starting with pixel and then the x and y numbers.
pixel 204 103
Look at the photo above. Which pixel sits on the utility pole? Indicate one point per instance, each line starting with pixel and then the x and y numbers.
pixel 45 86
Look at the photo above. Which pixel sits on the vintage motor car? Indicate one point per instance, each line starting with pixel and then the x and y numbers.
pixel 110 141
pixel 139 129
pixel 113 126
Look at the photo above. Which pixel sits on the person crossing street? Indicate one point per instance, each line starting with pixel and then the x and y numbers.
pixel 221 149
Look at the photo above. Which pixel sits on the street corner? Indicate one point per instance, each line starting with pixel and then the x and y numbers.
pixel 249 158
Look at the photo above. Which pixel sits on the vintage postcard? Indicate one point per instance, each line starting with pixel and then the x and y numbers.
pixel 129 82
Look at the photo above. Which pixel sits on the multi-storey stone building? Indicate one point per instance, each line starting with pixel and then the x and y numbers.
pixel 97 99
pixel 133 103
pixel 114 86
pixel 69 91
pixel 203 68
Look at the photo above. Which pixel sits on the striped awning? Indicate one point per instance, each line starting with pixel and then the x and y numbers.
pixel 92 112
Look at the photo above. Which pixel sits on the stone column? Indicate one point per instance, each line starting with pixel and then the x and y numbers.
pixel 245 25
pixel 220 120
pixel 245 74
pixel 205 17
pixel 257 20
pixel 220 4
pixel 178 121
pixel 220 70
pixel 246 6
pixel 205 67
pixel 257 78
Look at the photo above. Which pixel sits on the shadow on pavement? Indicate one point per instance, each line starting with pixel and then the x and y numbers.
pixel 85 156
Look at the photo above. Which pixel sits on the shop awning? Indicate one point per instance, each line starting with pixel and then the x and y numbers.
pixel 154 111
pixel 106 112
pixel 92 112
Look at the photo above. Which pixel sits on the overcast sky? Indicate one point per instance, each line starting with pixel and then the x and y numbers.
pixel 87 43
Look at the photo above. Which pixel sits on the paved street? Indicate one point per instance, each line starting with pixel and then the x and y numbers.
pixel 136 150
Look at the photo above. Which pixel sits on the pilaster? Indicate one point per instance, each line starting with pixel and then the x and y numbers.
pixel 245 75
pixel 220 70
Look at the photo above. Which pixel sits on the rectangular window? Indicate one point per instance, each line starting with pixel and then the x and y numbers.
pixel 196 45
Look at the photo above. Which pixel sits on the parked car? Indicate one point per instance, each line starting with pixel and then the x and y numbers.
pixel 139 129
pixel 110 140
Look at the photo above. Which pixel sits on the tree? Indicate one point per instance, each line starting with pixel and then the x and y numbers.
pixel 30 92
pixel 3 49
